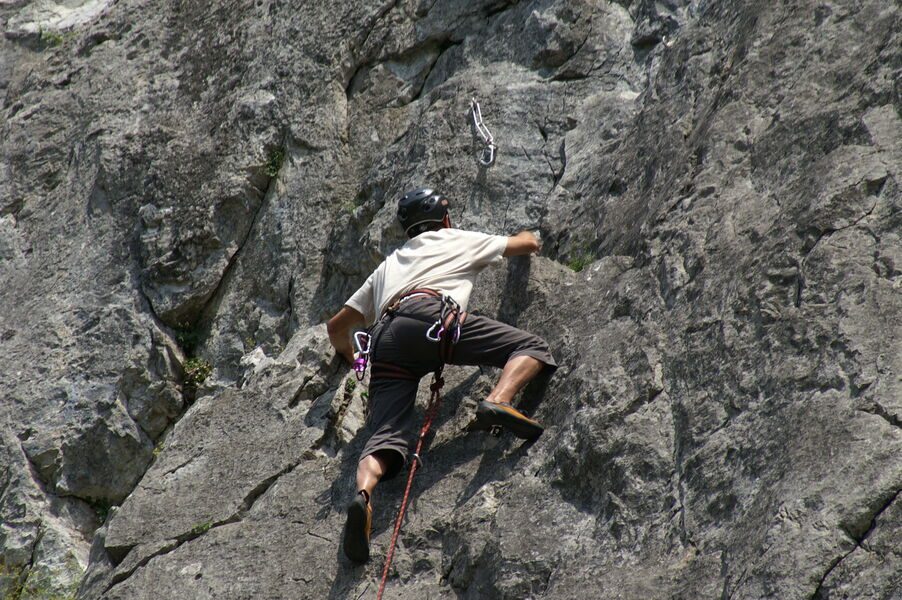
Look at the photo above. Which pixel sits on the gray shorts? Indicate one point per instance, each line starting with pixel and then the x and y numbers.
pixel 401 340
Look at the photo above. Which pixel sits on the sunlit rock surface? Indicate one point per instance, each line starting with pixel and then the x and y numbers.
pixel 188 190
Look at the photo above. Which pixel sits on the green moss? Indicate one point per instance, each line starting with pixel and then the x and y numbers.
pixel 581 256
pixel 12 578
pixel 52 38
pixel 274 162
pixel 38 583
pixel 201 528
pixel 43 587
pixel 197 370
pixel 249 343
pixel 581 261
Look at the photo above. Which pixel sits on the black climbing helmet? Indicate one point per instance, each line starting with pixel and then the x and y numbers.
pixel 418 208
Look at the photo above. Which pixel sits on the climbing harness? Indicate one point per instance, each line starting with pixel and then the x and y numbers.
pixel 451 319
pixel 362 341
pixel 487 155
pixel 450 308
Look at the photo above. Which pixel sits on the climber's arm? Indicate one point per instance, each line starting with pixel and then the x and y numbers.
pixel 523 243
pixel 340 327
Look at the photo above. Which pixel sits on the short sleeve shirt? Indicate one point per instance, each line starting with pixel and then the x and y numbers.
pixel 447 260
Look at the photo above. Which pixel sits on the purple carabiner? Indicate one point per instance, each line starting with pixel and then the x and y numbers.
pixel 362 340
pixel 360 367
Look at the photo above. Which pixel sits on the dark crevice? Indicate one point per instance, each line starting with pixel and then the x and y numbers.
pixel 685 538
pixel 880 411
pixel 32 561
pixel 557 174
pixel 725 575
pixel 728 595
pixel 261 488
pixel 542 129
pixel 299 395
pixel 497 9
pixel 318 536
pixel 146 300
pixel 645 43
pixel 36 474
pixel 246 505
pixel 290 302
pixel 571 76
pixel 353 79
pixel 356 47
pixel 562 155
pixel 16 592
pixel 164 330
pixel 178 467
pixel 441 45
pixel 118 578
pixel 444 46
pixel 330 438
pixel 859 541
pixel 423 11
pixel 799 288
pixel 374 21
pixel 364 591
pixel 5 485
pixel 807 249
pixel 214 297
pixel 563 73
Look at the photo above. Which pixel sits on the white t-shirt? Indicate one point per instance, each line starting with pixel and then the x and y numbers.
pixel 447 260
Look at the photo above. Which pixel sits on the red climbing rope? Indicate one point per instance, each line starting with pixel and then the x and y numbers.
pixel 431 410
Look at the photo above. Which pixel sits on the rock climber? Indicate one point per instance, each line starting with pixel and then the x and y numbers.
pixel 415 303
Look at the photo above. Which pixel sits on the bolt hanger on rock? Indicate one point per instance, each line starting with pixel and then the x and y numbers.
pixel 486 157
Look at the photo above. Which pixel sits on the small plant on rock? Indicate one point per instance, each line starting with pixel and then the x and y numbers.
pixel 197 370
pixel 581 259
pixel 52 38
pixel 274 163
pixel 201 528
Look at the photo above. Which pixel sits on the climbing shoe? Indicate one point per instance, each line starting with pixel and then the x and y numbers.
pixel 357 529
pixel 492 414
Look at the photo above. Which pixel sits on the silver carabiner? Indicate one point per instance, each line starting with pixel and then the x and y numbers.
pixel 362 341
pixel 487 156
pixel 436 337
pixel 487 159
pixel 419 459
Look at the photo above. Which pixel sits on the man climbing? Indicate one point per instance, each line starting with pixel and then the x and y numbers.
pixel 416 300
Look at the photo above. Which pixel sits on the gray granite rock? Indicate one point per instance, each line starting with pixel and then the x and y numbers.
pixel 187 191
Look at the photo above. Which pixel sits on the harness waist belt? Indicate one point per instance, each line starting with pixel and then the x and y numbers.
pixel 418 293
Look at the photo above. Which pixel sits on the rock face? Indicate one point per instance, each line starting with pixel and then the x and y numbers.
pixel 187 190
